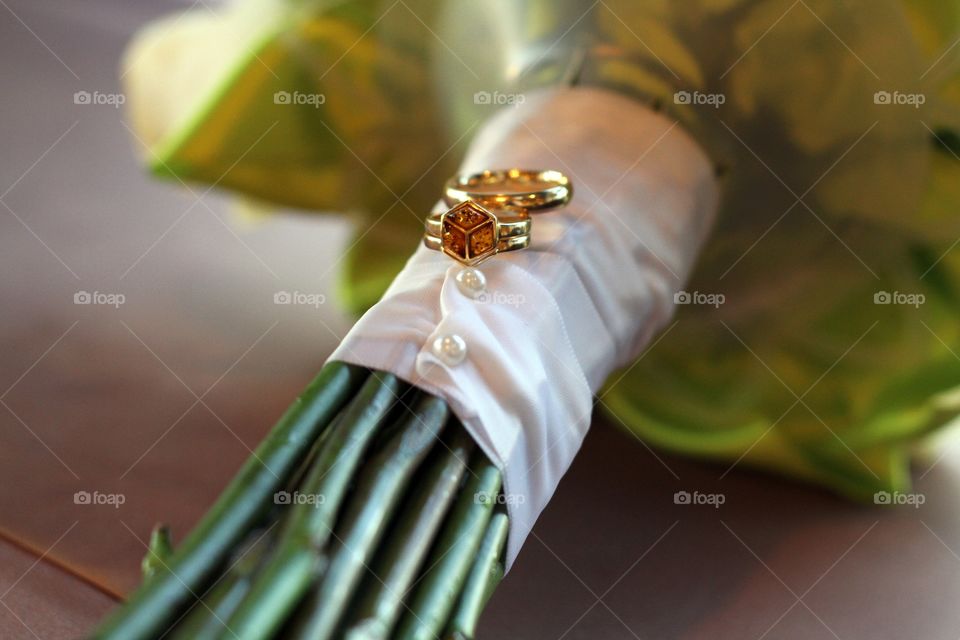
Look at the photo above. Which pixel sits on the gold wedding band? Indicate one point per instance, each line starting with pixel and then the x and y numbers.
pixel 469 233
pixel 526 190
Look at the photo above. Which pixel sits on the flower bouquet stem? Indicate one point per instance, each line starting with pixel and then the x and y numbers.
pixel 388 527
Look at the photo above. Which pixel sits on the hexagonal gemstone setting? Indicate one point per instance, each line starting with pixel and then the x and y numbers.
pixel 469 233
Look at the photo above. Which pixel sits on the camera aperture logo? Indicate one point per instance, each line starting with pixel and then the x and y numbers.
pixel 298 98
pixel 98 98
pixel 314 300
pixel 99 298
pixel 898 297
pixel 698 98
pixel 696 498
pixel 295 497
pixel 498 98
pixel 96 498
pixel 898 98
pixel 898 498
pixel 699 298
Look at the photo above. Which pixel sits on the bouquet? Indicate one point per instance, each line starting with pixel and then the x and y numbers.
pixel 796 212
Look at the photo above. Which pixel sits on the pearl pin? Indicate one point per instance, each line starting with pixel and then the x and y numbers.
pixel 450 349
pixel 471 282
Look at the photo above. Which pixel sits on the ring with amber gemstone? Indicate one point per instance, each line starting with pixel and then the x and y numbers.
pixel 470 233
pixel 510 225
pixel 528 190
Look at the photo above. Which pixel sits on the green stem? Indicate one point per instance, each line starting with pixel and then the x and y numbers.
pixel 485 575
pixel 395 567
pixel 158 552
pixel 149 611
pixel 208 616
pixel 372 504
pixel 288 573
pixel 453 555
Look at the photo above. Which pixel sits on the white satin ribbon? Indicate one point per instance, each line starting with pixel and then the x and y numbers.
pixel 595 285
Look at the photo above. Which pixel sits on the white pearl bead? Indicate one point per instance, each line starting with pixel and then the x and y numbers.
pixel 450 349
pixel 471 282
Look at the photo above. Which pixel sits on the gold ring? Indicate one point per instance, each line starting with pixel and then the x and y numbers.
pixel 507 244
pixel 510 226
pixel 469 233
pixel 515 189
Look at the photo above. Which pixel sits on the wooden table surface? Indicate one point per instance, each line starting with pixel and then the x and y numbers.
pixel 161 398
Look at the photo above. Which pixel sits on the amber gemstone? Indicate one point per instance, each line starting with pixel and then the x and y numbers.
pixel 469 233
pixel 468 217
pixel 481 240
pixel 455 240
